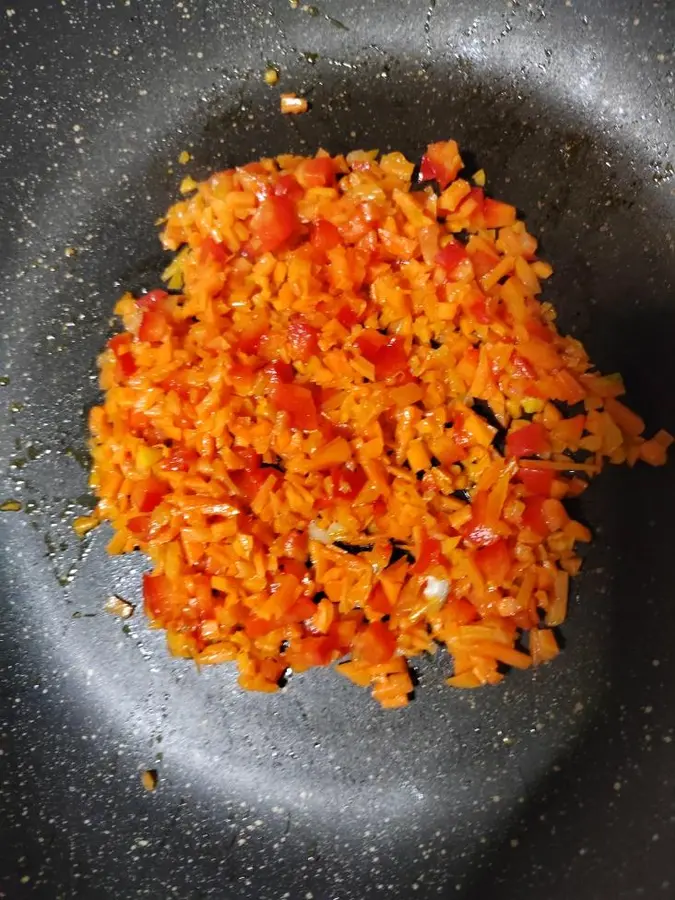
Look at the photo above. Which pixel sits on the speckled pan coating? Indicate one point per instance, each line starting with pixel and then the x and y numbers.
pixel 557 784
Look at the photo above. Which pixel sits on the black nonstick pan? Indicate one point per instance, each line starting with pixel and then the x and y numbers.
pixel 556 784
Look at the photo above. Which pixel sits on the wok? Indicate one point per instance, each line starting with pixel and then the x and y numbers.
pixel 556 784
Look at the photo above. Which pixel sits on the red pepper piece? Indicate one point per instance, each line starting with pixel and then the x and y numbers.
pixel 531 440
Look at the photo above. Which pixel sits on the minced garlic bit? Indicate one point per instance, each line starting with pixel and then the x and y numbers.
pixel 184 157
pixel 116 606
pixel 70 252
pixel 479 178
pixel 291 104
pixel 10 506
pixel 271 75
pixel 149 779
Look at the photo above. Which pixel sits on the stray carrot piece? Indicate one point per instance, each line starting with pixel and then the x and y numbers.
pixel 655 451
pixel 557 611
pixel 465 680
pixel 625 418
pixel 543 645
pixel 507 655
pixel 291 104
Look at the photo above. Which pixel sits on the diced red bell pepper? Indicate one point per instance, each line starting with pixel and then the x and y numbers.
pixel 370 342
pixel 211 249
pixel 498 214
pixel 544 515
pixel 141 426
pixel 347 317
pixel 375 644
pixel 478 530
pixel 151 299
pixel 127 364
pixel 459 435
pixel 379 508
pixel 494 562
pixel 317 172
pixel 256 628
pixel 430 554
pixel 450 256
pixel 139 526
pixel 178 382
pixel 157 596
pixel 523 367
pixel 148 493
pixel 242 376
pixel 378 602
pixel 315 650
pixel 154 326
pixel 303 339
pixel 274 222
pixel 441 163
pixel 531 440
pixel 347 483
pixel 536 481
pixel 249 482
pixel 427 169
pixel 392 359
pixel 480 311
pixel 533 516
pixel 298 402
pixel 344 484
pixel 120 343
pixel 179 460
pixel 287 186
pixel 279 371
pixel 324 236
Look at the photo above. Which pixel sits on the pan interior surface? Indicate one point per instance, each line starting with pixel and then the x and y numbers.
pixel 316 791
